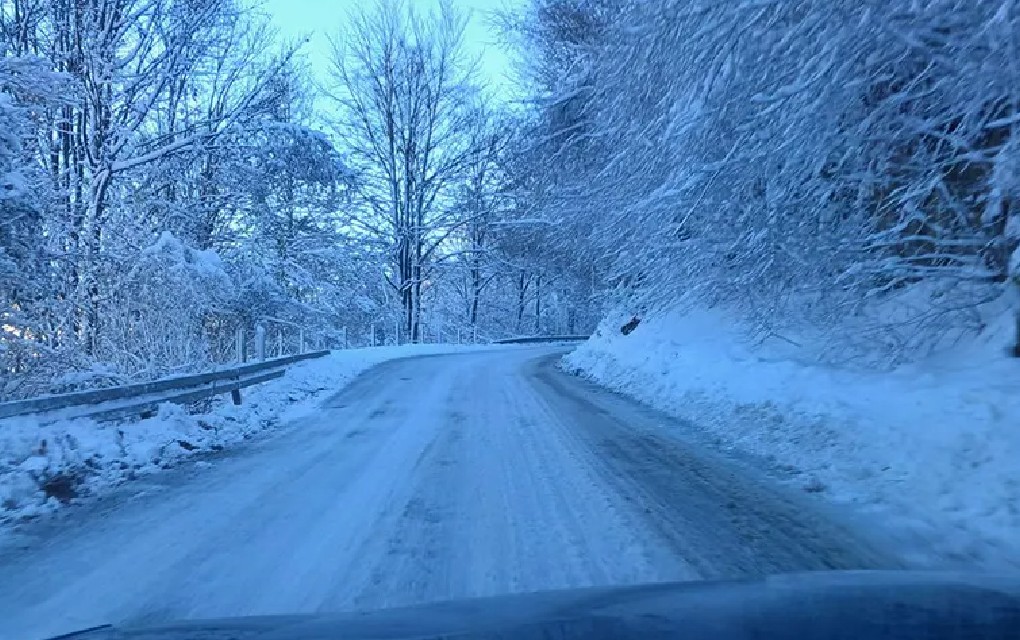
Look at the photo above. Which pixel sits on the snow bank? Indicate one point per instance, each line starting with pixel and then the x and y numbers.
pixel 42 466
pixel 932 449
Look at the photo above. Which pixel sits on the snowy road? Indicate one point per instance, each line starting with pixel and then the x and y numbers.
pixel 428 478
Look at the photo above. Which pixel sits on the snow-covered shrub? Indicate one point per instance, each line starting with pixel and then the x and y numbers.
pixel 156 316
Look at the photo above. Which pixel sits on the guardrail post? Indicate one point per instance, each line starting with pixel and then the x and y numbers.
pixel 260 343
pixel 279 343
pixel 346 344
pixel 1016 344
pixel 301 341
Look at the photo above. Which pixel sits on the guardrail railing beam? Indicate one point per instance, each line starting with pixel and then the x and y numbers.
pixel 104 402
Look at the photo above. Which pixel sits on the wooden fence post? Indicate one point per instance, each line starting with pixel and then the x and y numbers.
pixel 260 343
pixel 239 345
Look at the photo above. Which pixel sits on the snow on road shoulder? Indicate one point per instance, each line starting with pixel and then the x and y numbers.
pixel 43 466
pixel 932 450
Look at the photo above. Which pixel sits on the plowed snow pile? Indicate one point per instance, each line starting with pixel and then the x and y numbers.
pixel 931 449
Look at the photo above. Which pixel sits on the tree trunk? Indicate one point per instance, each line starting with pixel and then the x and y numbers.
pixel 522 289
pixel 476 294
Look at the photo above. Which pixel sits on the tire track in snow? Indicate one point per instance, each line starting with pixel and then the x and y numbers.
pixel 427 479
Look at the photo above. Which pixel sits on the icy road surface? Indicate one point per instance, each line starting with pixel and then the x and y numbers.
pixel 428 478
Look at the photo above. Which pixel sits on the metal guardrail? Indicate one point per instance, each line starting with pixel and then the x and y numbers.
pixel 116 402
pixel 540 339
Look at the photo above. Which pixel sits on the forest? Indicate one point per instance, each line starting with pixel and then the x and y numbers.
pixel 172 176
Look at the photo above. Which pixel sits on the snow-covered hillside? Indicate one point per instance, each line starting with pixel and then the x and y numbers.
pixel 42 466
pixel 931 450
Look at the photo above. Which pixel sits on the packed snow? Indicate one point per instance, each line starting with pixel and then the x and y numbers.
pixel 45 465
pixel 427 479
pixel 930 449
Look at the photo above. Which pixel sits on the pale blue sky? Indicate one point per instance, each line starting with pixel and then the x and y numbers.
pixel 321 18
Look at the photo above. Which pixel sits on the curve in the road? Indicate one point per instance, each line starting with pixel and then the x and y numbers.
pixel 427 479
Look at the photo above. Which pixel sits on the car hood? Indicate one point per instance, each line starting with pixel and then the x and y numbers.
pixel 857 604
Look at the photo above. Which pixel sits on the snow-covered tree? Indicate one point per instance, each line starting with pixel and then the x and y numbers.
pixel 402 89
pixel 145 139
pixel 796 162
